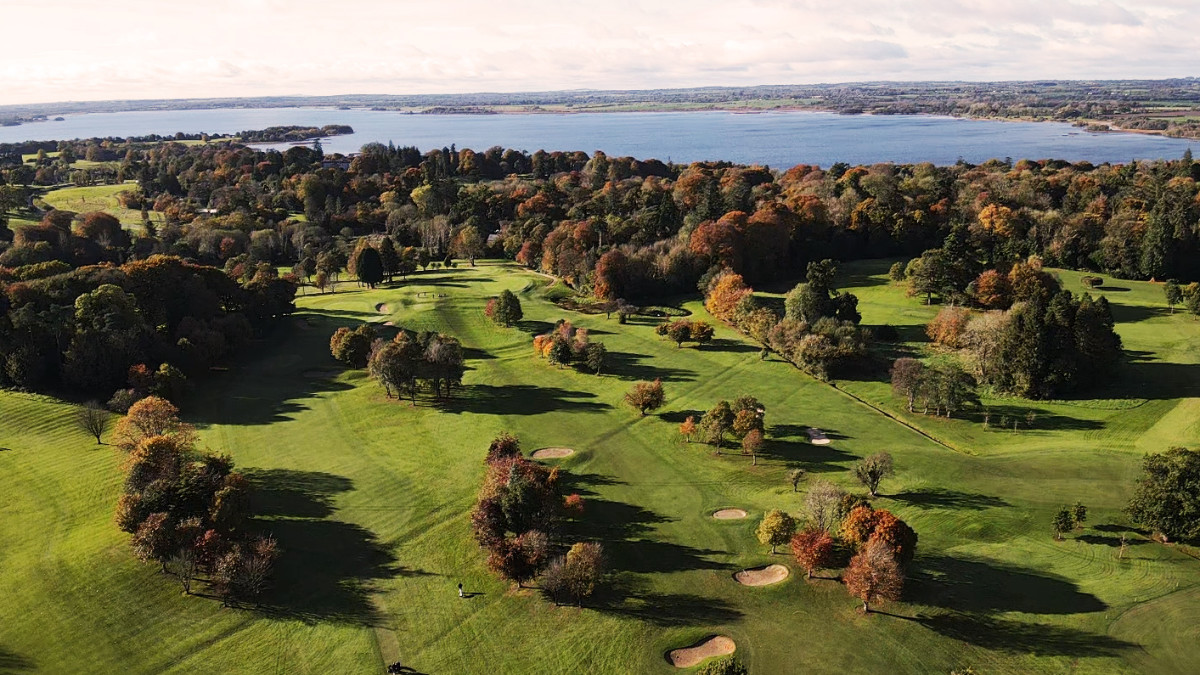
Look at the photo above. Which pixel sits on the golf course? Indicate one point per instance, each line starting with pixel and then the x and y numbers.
pixel 369 498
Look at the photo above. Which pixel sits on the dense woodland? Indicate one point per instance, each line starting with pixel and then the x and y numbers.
pixel 613 228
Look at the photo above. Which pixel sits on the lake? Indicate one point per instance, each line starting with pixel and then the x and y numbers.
pixel 777 139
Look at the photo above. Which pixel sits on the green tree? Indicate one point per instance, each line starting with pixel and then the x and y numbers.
pixel 1062 522
pixel 726 665
pixel 871 470
pixel 508 309
pixel 717 422
pixel 1166 498
pixel 1173 293
pixel 776 529
pixel 595 356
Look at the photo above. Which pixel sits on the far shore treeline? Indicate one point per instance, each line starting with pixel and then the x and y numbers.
pixel 86 296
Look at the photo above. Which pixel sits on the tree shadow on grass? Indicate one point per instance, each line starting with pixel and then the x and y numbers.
pixel 663 609
pixel 1017 637
pixel 1043 420
pixel 521 399
pixel 629 366
pixel 734 346
pixel 327 567
pixel 11 662
pixel 978 586
pixel 813 458
pixel 940 498
pixel 535 327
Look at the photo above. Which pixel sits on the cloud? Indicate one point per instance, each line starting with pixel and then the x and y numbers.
pixel 77 49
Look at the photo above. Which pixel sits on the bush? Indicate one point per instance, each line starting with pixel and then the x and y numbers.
pixel 727 665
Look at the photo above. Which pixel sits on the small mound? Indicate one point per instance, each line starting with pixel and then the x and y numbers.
pixel 389 323
pixel 382 308
pixel 817 437
pixel 552 453
pixel 729 514
pixel 762 576
pixel 686 657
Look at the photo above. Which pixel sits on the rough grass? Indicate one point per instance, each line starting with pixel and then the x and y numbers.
pixel 369 498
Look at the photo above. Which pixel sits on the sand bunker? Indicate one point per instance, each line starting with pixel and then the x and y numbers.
pixel 717 645
pixel 552 453
pixel 816 437
pixel 382 308
pixel 729 514
pixel 762 576
pixel 389 323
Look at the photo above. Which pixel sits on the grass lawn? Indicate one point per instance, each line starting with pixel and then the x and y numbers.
pixel 99 198
pixel 369 500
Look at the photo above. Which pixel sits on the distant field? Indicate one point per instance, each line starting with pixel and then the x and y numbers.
pixel 98 198
pixel 369 498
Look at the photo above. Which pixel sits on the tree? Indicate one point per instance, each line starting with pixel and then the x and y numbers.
pixel 149 417
pixel 321 281
pixel 794 477
pixel 1079 514
pixel 1166 499
pixel 389 257
pixel 899 537
pixel 717 422
pixel 468 244
pixel 752 444
pixel 948 327
pixel 92 418
pixel 687 428
pixel 503 446
pixel 595 355
pixel 813 549
pixel 1062 523
pixel 896 272
pixel 823 504
pixel 677 332
pixel 725 291
pixel 700 332
pixel 907 377
pixel 646 396
pixel 1173 293
pixel 584 567
pixel 507 309
pixel 154 539
pixel 369 267
pixel 871 470
pixel 352 347
pixel 874 575
pixel 775 529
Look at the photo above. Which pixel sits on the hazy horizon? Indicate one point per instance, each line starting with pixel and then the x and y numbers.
pixel 71 50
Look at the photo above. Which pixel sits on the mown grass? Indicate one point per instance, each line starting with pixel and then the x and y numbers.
pixel 369 499
pixel 99 198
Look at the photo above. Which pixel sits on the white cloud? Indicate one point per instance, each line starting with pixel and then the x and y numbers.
pixel 80 49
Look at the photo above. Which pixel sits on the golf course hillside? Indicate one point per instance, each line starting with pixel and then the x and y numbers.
pixel 370 498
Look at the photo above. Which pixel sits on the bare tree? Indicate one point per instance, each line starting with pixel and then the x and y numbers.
pixel 873 469
pixel 822 502
pixel 92 419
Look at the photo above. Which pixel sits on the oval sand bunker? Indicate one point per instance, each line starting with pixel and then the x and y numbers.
pixel 717 645
pixel 762 576
pixel 729 514
pixel 552 453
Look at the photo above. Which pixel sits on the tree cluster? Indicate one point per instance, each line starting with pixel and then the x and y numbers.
pixel 566 344
pixel 504 309
pixel 940 388
pixel 408 361
pixel 186 509
pixel 684 330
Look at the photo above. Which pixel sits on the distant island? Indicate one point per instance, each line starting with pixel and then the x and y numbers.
pixel 293 134
pixel 1168 107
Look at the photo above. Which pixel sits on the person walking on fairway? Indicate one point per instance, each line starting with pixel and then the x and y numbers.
pixel 460 593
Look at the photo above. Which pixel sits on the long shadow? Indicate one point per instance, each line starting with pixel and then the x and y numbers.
pixel 473 354
pixel 1043 419
pixel 664 609
pixel 267 383
pixel 11 662
pixel 521 399
pixel 978 586
pixel 939 498
pixel 734 346
pixel 535 327
pixel 326 567
pixel 1148 377
pixel 629 366
pixel 814 458
pixel 1023 638
pixel 1134 313
pixel 678 416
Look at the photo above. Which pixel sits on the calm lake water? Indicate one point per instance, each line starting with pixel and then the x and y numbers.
pixel 779 140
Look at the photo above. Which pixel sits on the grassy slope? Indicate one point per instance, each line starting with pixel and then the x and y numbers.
pixel 369 499
pixel 98 198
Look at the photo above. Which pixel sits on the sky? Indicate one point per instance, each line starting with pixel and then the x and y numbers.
pixel 74 50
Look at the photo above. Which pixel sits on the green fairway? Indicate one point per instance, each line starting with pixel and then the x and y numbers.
pixel 99 198
pixel 369 500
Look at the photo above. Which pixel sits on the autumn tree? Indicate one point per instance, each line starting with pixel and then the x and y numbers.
pixel 752 444
pixel 92 419
pixel 775 529
pixel 352 347
pixel 725 291
pixel 468 243
pixel 813 549
pixel 717 422
pixel 149 417
pixel 948 327
pixel 873 575
pixel 646 396
pixel 907 378
pixel 873 469
pixel 823 504
pixel 503 446
pixel 687 428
